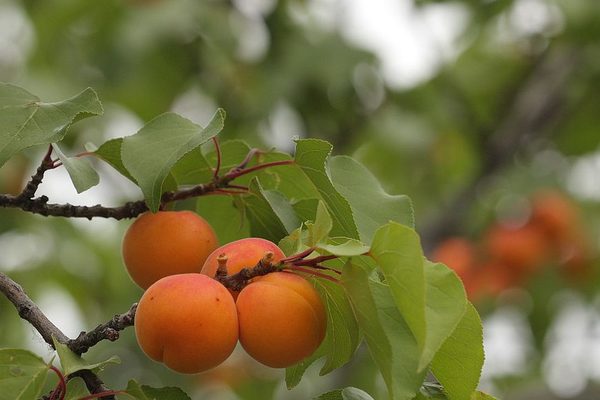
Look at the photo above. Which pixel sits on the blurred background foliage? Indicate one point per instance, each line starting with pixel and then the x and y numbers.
pixel 470 107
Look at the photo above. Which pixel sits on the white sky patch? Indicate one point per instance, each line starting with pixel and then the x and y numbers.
pixel 282 127
pixel 16 36
pixel 507 342
pixel 583 180
pixel 411 43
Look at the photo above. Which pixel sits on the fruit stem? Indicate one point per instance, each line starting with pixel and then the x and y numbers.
pixel 218 151
pixel 61 386
pixel 298 256
pixel 222 266
pixel 315 261
pixel 236 173
pixel 314 273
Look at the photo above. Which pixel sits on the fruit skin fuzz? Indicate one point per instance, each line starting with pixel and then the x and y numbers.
pixel 187 321
pixel 166 243
pixel 282 319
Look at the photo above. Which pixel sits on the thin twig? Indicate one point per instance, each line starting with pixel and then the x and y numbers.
pixel 30 312
pixel 33 184
pixel 218 151
pixel 107 331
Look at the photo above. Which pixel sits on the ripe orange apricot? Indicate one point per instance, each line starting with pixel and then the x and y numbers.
pixel 457 253
pixel 555 214
pixel 282 319
pixel 524 249
pixel 166 243
pixel 241 254
pixel 187 321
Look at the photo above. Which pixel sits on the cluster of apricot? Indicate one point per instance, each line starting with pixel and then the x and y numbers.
pixel 510 252
pixel 191 322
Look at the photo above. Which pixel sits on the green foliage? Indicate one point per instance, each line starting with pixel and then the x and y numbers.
pixel 349 393
pixel 265 222
pixel 151 153
pixel 76 389
pixel 82 174
pixel 457 365
pixel 22 375
pixel 143 392
pixel 397 250
pixel 311 156
pixel 389 338
pixel 72 362
pixel 26 121
pixel 445 306
pixel 362 190
pixel 413 314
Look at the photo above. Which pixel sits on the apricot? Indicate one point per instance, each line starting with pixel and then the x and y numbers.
pixel 524 249
pixel 457 253
pixel 188 321
pixel 555 214
pixel 282 319
pixel 166 243
pixel 243 253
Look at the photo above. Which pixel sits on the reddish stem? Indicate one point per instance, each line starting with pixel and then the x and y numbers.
pixel 298 256
pixel 225 191
pixel 218 151
pixel 101 394
pixel 315 261
pixel 315 273
pixel 61 387
pixel 85 154
pixel 241 187
pixel 319 266
pixel 248 158
pixel 236 173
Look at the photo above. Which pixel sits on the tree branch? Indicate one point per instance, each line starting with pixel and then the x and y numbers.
pixel 132 209
pixel 30 312
pixel 31 187
pixel 537 106
pixel 109 331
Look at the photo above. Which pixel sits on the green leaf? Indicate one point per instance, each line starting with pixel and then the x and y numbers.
pixel 76 389
pixel 349 393
pixel 224 216
pixel 389 339
pixel 482 396
pixel 143 392
pixel 306 209
pixel 71 362
pixel 22 373
pixel 446 304
pixel 397 250
pixel 311 156
pixel 293 243
pixel 344 247
pixel 283 209
pixel 320 228
pixel 110 151
pixel 457 365
pixel 294 374
pixel 342 337
pixel 197 167
pixel 193 168
pixel 82 174
pixel 287 179
pixel 25 121
pixel 150 154
pixel 264 222
pixel 371 205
